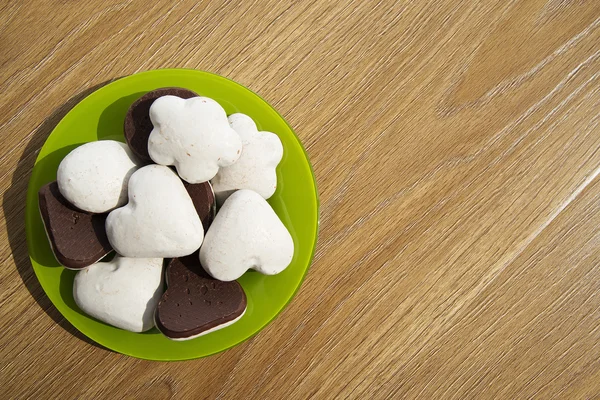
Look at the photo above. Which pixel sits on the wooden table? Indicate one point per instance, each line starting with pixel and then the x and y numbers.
pixel 457 150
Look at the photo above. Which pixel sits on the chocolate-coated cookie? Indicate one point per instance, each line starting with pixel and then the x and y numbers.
pixel 203 198
pixel 194 303
pixel 138 126
pixel 78 238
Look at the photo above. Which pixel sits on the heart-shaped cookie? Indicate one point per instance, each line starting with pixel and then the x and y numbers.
pixel 160 219
pixel 255 169
pixel 246 234
pixel 77 238
pixel 93 177
pixel 195 304
pixel 123 292
pixel 193 135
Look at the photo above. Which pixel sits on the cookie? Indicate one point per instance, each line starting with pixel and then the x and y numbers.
pixel 159 220
pixel 194 304
pixel 138 126
pixel 94 176
pixel 77 238
pixel 193 135
pixel 246 234
pixel 203 197
pixel 255 169
pixel 123 292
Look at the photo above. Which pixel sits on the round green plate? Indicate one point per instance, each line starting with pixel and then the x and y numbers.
pixel 100 116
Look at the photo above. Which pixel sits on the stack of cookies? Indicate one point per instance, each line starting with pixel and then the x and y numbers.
pixel 153 202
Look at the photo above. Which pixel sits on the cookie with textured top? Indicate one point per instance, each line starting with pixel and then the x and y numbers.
pixel 77 238
pixel 195 304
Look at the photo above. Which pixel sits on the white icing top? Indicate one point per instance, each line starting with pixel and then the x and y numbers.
pixel 193 135
pixel 160 219
pixel 255 169
pixel 93 177
pixel 123 292
pixel 246 234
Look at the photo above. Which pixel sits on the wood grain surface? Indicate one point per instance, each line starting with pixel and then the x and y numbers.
pixel 457 150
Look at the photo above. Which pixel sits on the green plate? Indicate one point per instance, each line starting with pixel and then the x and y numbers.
pixel 100 116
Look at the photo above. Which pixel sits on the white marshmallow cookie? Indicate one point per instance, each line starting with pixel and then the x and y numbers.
pixel 93 177
pixel 160 219
pixel 123 292
pixel 193 135
pixel 255 170
pixel 246 234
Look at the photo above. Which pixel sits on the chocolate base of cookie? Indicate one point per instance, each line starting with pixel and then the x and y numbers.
pixel 195 304
pixel 138 126
pixel 203 197
pixel 77 238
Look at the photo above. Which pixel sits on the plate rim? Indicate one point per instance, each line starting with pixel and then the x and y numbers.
pixel 30 189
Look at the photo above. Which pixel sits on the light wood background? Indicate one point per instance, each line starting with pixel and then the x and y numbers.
pixel 457 151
